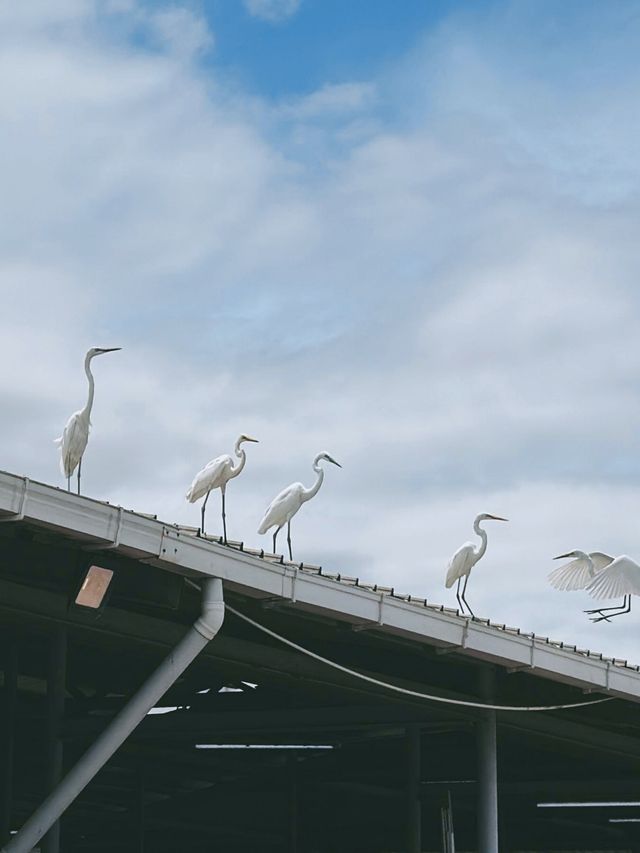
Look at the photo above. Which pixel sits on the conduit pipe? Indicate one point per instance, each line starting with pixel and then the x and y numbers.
pixel 204 629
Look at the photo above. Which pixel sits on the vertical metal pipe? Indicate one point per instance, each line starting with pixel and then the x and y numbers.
pixel 414 804
pixel 293 804
pixel 56 689
pixel 7 733
pixel 141 814
pixel 204 629
pixel 487 771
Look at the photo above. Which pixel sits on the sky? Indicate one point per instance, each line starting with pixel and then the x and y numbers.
pixel 405 234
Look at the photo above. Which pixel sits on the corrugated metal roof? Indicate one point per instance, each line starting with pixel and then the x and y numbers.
pixel 390 591
pixel 262 575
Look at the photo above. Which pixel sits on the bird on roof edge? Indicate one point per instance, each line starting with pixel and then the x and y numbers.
pixel 75 436
pixel 215 475
pixel 602 577
pixel 287 503
pixel 465 559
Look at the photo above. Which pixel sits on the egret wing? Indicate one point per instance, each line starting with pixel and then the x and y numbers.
pixel 73 442
pixel 210 477
pixel 282 507
pixel 600 560
pixel 578 574
pixel 460 564
pixel 619 578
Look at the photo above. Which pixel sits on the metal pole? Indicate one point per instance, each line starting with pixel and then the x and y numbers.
pixel 204 630
pixel 414 805
pixel 141 814
pixel 293 804
pixel 56 689
pixel 8 736
pixel 487 771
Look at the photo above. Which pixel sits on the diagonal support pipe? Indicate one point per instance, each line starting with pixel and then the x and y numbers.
pixel 204 629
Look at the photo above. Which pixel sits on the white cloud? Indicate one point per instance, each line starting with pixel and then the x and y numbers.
pixel 181 31
pixel 272 10
pixel 439 302
pixel 338 99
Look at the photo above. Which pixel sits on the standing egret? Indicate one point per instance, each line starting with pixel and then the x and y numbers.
pixel 620 577
pixel 73 441
pixel 215 475
pixel 465 559
pixel 285 505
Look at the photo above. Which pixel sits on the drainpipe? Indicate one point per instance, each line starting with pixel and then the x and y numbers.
pixel 204 629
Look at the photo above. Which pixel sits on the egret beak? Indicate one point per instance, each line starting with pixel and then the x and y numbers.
pixel 102 350
pixel 330 459
pixel 564 556
pixel 497 517
pixel 247 438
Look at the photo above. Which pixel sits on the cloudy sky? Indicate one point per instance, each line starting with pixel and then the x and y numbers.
pixel 403 233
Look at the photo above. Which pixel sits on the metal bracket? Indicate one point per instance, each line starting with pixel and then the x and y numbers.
pixel 111 546
pixel 19 515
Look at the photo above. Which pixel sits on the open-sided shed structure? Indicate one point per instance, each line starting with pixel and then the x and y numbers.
pixel 345 765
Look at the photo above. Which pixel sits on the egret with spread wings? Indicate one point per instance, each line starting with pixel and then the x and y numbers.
pixel 602 576
pixel 465 559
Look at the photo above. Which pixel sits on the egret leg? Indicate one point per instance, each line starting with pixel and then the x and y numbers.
pixel 69 483
pixel 625 609
pixel 603 609
pixel 224 519
pixel 464 589
pixel 204 506
pixel 289 539
pixel 460 604
pixel 79 469
pixel 275 536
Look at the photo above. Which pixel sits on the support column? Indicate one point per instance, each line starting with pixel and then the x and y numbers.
pixel 7 734
pixel 141 813
pixel 293 805
pixel 414 804
pixel 487 770
pixel 56 689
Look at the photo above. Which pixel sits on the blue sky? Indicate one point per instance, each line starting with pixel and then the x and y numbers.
pixel 323 41
pixel 409 240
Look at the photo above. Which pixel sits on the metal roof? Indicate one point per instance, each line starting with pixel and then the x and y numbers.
pixel 258 574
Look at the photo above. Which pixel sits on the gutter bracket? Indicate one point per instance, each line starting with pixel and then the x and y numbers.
pixel 19 515
pixel 111 546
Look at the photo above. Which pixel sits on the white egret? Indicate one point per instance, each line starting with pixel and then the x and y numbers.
pixel 465 559
pixel 620 577
pixel 73 441
pixel 579 573
pixel 215 475
pixel 602 576
pixel 285 505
